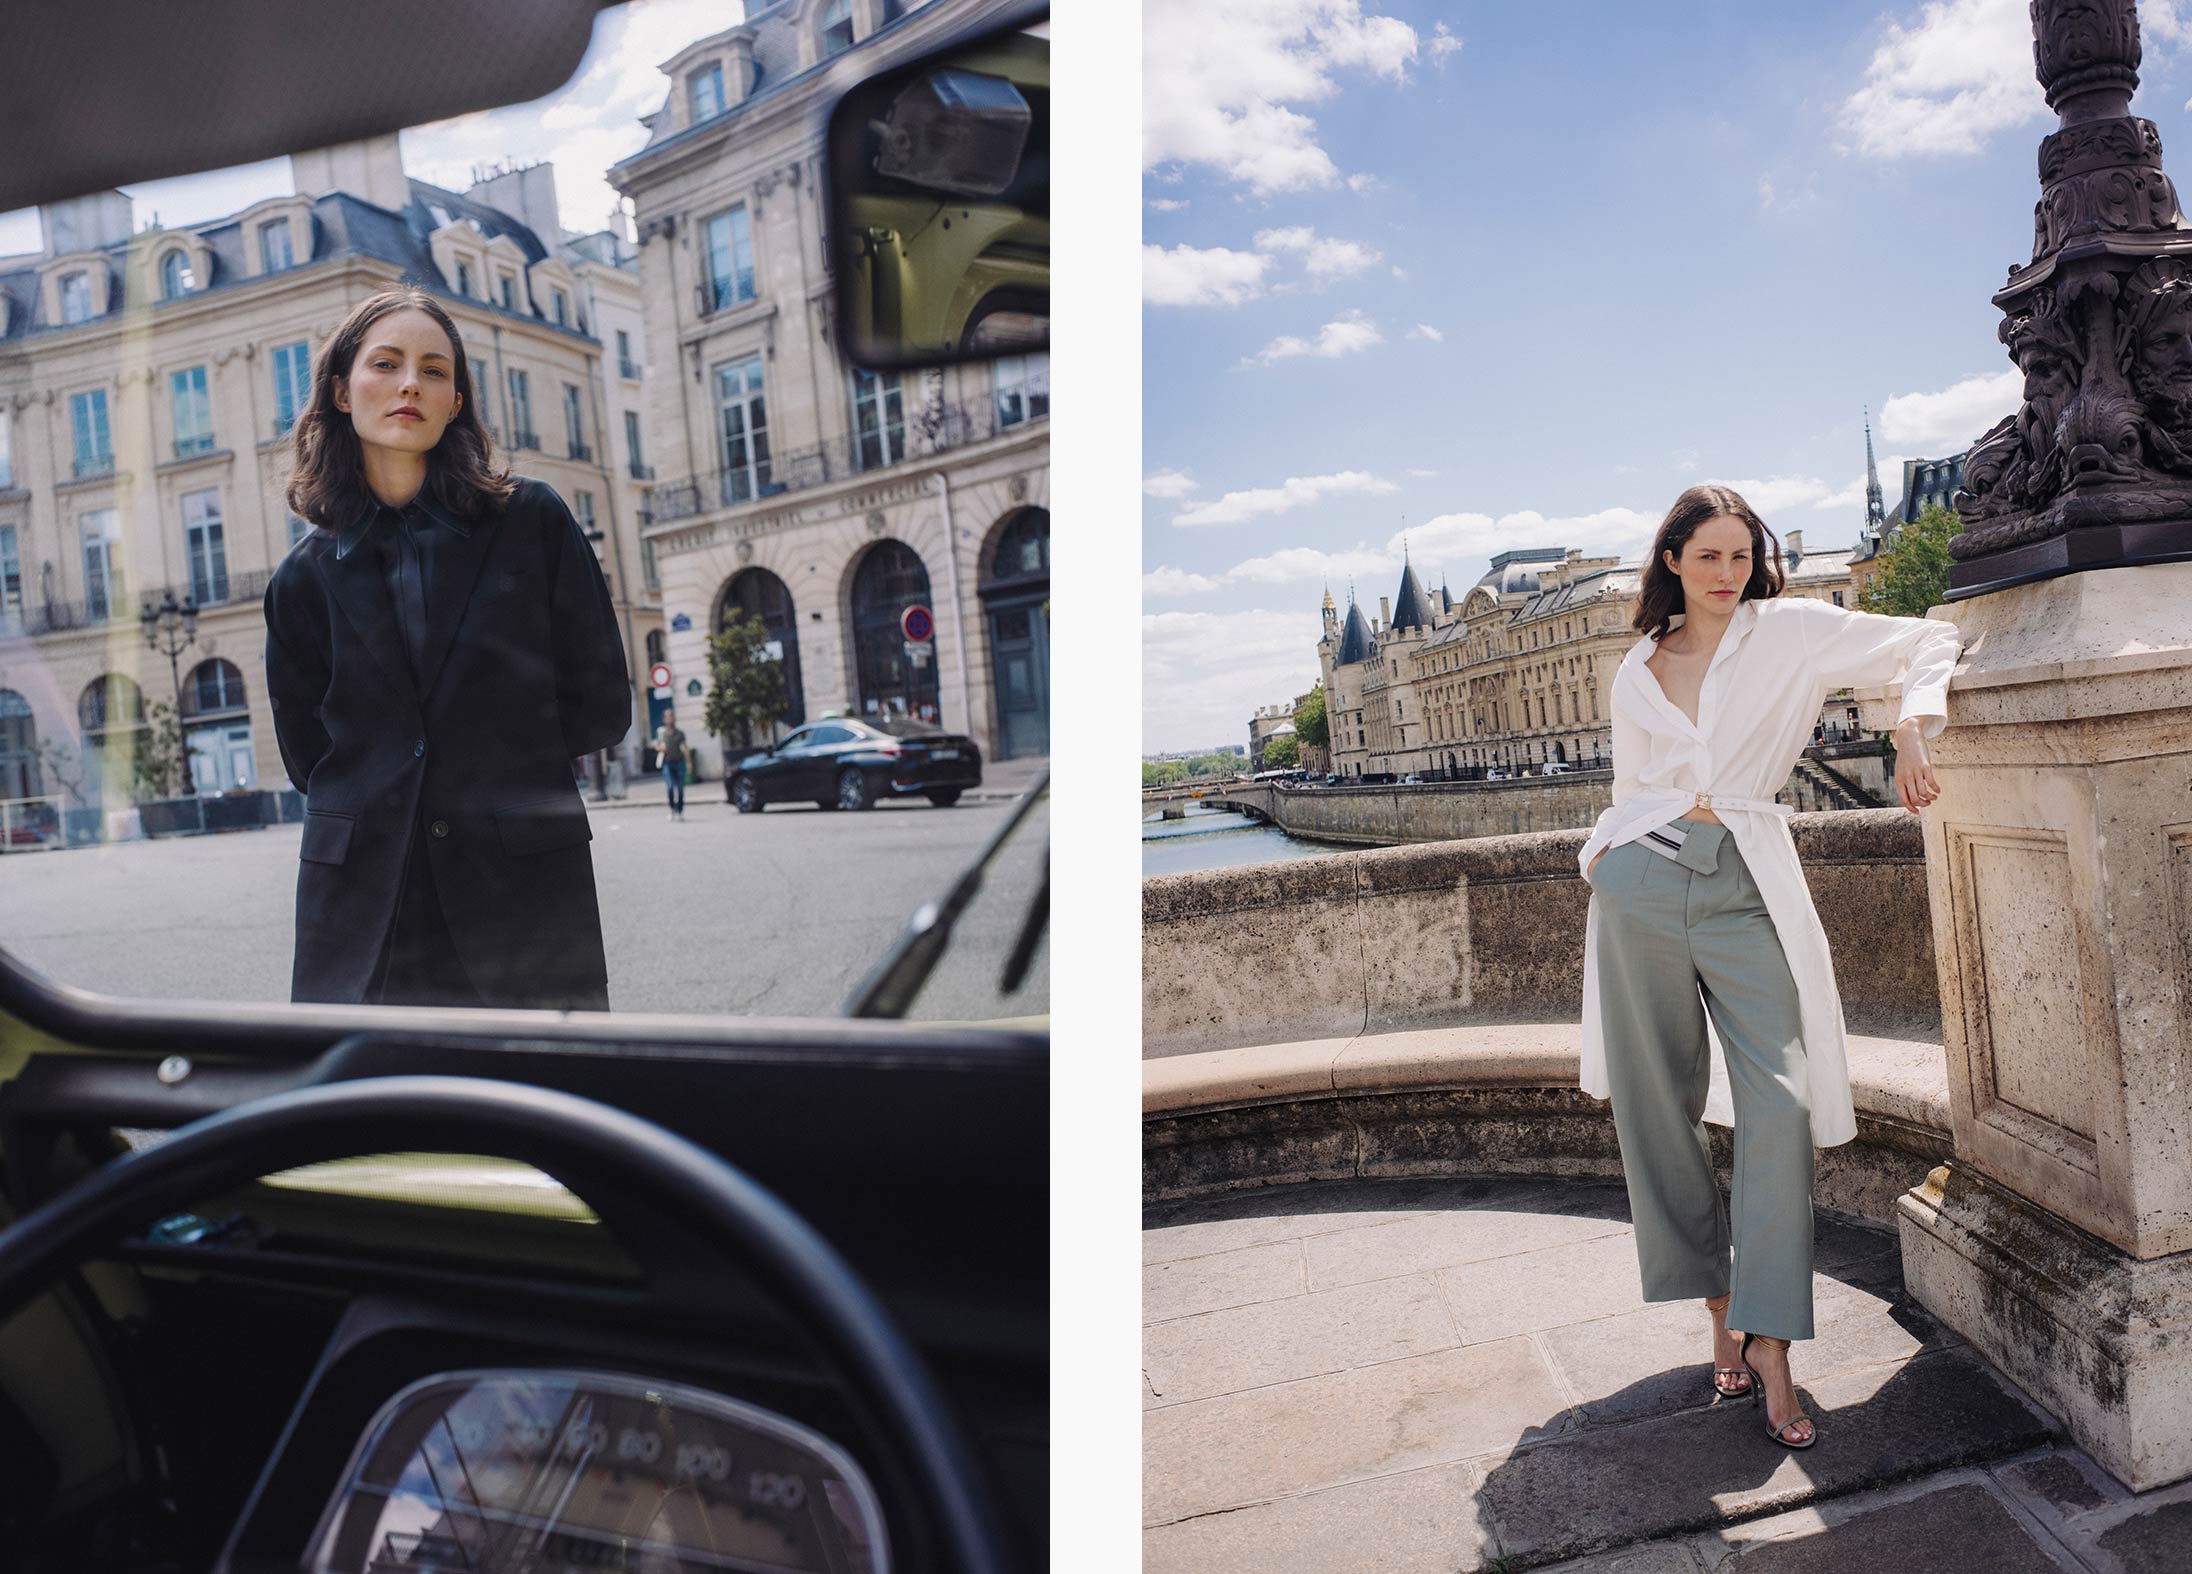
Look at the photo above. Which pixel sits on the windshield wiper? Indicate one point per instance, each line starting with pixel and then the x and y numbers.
pixel 888 991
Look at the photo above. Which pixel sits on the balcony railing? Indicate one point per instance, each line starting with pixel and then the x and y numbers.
pixel 628 369
pixel 642 472
pixel 936 431
pixel 56 617
pixel 582 453
pixel 713 295
pixel 525 440
pixel 186 446
pixel 96 465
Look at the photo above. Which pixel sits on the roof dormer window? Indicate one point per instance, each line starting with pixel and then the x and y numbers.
pixel 706 87
pixel 464 279
pixel 176 278
pixel 836 28
pixel 274 248
pixel 76 297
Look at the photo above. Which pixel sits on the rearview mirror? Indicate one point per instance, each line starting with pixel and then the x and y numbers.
pixel 940 203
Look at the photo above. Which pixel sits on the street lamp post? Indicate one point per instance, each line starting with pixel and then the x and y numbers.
pixel 172 629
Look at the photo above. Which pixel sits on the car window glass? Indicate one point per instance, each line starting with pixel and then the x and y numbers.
pixel 683 487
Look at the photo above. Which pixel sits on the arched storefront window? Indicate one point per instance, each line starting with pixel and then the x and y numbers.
pixel 110 714
pixel 759 593
pixel 20 776
pixel 1016 602
pixel 217 728
pixel 890 578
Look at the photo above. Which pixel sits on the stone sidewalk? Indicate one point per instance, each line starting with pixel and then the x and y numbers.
pixel 1402 1377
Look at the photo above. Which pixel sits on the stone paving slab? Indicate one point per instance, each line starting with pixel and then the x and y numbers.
pixel 1245 1448
pixel 1245 1347
pixel 1234 1278
pixel 1612 1484
pixel 1420 1522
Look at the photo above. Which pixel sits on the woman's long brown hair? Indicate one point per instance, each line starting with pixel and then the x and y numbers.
pixel 327 480
pixel 1659 596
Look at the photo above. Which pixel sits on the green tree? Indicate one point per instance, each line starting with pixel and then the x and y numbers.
pixel 1913 572
pixel 746 683
pixel 1310 723
pixel 1283 753
pixel 157 763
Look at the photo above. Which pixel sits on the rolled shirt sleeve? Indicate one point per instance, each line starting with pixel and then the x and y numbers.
pixel 593 684
pixel 1852 649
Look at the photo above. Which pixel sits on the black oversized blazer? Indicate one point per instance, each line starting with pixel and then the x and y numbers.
pixel 524 673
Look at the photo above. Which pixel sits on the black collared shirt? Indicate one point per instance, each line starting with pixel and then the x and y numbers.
pixel 378 524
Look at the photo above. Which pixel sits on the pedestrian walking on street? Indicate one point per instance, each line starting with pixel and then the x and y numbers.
pixel 670 747
pixel 438 652
pixel 1696 887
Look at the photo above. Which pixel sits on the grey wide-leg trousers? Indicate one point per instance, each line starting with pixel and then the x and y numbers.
pixel 1666 928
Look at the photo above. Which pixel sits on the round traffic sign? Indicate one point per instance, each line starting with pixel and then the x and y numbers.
pixel 916 623
pixel 659 675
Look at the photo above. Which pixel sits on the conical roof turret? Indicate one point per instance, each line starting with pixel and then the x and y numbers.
pixel 1355 637
pixel 1409 608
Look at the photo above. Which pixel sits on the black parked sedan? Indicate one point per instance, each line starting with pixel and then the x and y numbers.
pixel 844 763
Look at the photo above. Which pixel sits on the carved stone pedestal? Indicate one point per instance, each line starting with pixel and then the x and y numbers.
pixel 2059 864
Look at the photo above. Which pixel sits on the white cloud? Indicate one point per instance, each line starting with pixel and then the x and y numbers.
pixel 1443 43
pixel 1184 276
pixel 1424 330
pixel 1948 83
pixel 1364 183
pixel 1218 77
pixel 1422 472
pixel 1168 204
pixel 1204 673
pixel 1325 256
pixel 1307 565
pixel 1775 493
pixel 1294 492
pixel 1400 273
pixel 1294 237
pixel 1162 582
pixel 1168 483
pixel 1952 419
pixel 1344 336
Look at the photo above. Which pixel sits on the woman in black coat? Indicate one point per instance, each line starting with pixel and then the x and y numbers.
pixel 438 652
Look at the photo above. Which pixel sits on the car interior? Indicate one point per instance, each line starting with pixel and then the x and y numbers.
pixel 376 1288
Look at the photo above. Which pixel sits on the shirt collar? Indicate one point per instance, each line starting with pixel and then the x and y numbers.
pixel 348 538
pixel 1739 624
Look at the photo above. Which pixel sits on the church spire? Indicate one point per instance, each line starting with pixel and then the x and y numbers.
pixel 1876 514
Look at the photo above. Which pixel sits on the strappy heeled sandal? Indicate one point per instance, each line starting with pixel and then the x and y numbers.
pixel 1722 1374
pixel 1758 1392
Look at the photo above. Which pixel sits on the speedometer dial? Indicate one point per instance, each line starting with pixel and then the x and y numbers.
pixel 543 1472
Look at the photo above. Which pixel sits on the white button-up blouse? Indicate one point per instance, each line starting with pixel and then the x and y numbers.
pixel 1775 665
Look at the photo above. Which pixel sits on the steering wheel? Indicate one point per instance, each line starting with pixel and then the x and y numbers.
pixel 564 1135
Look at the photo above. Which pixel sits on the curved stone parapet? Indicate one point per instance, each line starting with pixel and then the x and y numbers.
pixel 1445 934
pixel 1488 1099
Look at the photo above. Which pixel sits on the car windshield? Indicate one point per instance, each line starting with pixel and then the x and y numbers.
pixel 412 558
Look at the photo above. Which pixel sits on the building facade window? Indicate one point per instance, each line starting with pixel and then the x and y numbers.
pixel 574 423
pixel 706 89
pixel 730 258
pixel 192 407
pixel 635 457
pixel 274 247
pixel 1838 598
pixel 521 410
pixel 1022 387
pixel 104 591
pixel 742 425
pixel 563 309
pixel 76 298
pixel 464 279
pixel 626 366
pixel 836 28
pixel 7 450
pixel 582 509
pixel 208 555
pixel 175 276
pixel 509 293
pixel 292 383
pixel 298 529
pixel 11 580
pixel 647 562
pixel 88 422
pixel 878 418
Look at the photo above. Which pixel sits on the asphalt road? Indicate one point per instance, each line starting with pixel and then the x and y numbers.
pixel 775 914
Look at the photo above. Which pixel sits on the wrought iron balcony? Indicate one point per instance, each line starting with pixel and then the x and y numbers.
pixel 628 369
pixel 642 472
pixel 525 440
pixel 936 430
pixel 118 606
pixel 582 453
pixel 96 465
pixel 186 446
pixel 713 295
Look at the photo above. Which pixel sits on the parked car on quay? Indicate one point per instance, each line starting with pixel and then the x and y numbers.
pixel 841 762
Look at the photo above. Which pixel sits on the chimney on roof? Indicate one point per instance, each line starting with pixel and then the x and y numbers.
pixel 527 195
pixel 1385 610
pixel 1792 547
pixel 370 170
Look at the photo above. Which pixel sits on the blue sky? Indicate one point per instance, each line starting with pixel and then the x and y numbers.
pixel 583 128
pixel 1500 275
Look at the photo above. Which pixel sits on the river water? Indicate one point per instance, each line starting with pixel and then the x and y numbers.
pixel 1216 839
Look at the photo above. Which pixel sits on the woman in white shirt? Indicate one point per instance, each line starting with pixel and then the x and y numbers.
pixel 1695 885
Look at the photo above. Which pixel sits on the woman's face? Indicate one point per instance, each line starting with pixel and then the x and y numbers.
pixel 1715 564
pixel 406 364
